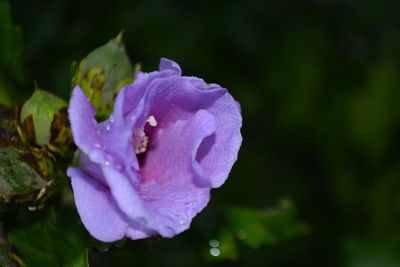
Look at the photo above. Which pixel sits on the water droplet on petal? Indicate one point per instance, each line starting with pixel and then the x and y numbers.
pixel 181 222
pixel 215 252
pixel 107 163
pixel 108 127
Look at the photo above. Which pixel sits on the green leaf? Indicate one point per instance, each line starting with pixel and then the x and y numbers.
pixel 42 107
pixel 49 242
pixel 82 260
pixel 254 228
pixel 258 227
pixel 17 178
pixel 103 72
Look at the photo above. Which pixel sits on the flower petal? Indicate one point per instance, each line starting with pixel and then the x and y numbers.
pixel 153 92
pixel 127 198
pixel 218 153
pixel 178 98
pixel 128 114
pixel 137 231
pixel 91 168
pixel 96 207
pixel 84 125
pixel 169 65
pixel 172 185
pixel 116 135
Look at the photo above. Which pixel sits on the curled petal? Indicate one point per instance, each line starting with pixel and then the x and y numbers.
pixel 169 65
pixel 174 186
pixel 84 125
pixel 96 207
pixel 218 153
pixel 126 196
pixel 99 212
pixel 158 94
pixel 128 114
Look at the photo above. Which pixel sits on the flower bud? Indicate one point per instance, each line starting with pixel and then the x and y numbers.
pixel 44 121
pixel 102 73
pixel 25 173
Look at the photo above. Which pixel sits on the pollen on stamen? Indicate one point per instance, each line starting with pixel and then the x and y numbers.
pixel 152 121
pixel 140 140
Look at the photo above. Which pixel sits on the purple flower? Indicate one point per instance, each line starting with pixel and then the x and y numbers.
pixel 150 167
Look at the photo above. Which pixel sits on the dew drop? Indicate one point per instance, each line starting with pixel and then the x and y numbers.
pixel 107 163
pixel 181 222
pixel 213 243
pixel 215 252
pixel 108 127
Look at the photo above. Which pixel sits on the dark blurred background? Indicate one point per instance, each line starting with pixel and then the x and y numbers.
pixel 318 82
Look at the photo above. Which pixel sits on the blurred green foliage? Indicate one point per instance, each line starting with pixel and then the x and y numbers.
pixel 318 84
pixel 48 241
pixel 254 228
pixel 271 226
pixel 11 71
